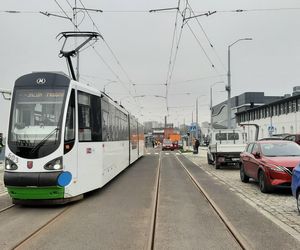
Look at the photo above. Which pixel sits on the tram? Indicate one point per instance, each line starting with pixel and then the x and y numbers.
pixel 65 139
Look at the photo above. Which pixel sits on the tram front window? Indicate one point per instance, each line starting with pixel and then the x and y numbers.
pixel 35 123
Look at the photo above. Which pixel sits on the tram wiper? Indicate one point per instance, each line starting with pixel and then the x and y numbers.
pixel 42 142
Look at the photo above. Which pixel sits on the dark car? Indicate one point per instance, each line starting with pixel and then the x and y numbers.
pixel 271 163
pixel 293 137
pixel 167 145
pixel 175 145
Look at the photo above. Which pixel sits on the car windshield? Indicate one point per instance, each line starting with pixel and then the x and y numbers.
pixel 280 149
pixel 167 142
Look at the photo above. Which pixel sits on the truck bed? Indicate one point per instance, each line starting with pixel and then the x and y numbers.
pixel 227 148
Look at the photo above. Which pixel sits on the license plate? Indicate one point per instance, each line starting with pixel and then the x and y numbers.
pixel 235 159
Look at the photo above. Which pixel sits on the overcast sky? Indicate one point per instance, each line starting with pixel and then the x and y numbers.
pixel 141 41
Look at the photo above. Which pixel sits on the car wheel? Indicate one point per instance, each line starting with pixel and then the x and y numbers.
pixel 209 161
pixel 263 186
pixel 298 201
pixel 244 177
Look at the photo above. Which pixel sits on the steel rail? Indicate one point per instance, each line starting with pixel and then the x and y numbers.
pixel 40 229
pixel 6 208
pixel 151 238
pixel 233 231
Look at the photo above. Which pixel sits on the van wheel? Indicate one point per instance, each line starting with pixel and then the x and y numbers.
pixel 244 177
pixel 263 186
pixel 217 164
pixel 209 161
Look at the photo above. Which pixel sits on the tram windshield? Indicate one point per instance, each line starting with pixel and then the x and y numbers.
pixel 35 123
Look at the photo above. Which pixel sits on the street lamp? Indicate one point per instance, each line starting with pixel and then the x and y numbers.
pixel 211 111
pixel 6 94
pixel 228 87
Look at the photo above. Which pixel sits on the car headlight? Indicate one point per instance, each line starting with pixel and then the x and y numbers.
pixel 10 165
pixel 276 168
pixel 55 164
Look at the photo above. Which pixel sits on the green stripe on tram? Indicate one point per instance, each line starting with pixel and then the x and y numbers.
pixel 36 193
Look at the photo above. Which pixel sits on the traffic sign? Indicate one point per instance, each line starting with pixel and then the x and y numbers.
pixel 193 127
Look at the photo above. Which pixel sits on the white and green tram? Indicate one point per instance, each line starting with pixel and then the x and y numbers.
pixel 65 139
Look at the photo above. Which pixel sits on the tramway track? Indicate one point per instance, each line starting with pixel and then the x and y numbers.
pixel 39 230
pixel 232 230
pixel 6 208
pixel 151 237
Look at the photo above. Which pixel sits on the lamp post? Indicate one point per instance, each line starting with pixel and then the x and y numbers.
pixel 211 111
pixel 228 87
pixel 6 94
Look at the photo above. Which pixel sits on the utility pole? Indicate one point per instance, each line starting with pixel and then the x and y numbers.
pixel 211 110
pixel 228 87
pixel 165 121
pixel 197 131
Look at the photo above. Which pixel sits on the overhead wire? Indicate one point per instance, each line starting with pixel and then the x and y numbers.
pixel 207 38
pixel 197 79
pixel 92 45
pixel 114 56
pixel 70 5
pixel 171 69
pixel 63 11
pixel 147 11
pixel 171 52
pixel 202 48
pixel 110 69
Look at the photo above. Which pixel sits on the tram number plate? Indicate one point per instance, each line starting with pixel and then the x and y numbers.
pixel 13 158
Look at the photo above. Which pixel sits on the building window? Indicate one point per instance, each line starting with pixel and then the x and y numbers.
pixel 294 106
pixel 281 109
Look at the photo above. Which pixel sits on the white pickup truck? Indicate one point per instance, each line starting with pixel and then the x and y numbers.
pixel 225 146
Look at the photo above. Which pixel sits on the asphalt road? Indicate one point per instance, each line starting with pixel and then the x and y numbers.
pixel 114 217
pixel 118 216
pixel 185 220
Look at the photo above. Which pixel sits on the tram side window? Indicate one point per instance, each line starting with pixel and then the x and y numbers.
pixel 96 118
pixel 105 121
pixel 112 122
pixel 84 117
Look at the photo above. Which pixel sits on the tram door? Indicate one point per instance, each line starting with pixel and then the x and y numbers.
pixel 70 147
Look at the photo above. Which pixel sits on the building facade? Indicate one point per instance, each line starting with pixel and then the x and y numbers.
pixel 279 117
pixel 243 102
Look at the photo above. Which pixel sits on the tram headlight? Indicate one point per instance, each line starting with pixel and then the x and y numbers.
pixel 55 164
pixel 10 165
